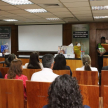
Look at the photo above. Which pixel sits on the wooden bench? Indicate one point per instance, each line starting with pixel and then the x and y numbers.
pixel 90 95
pixel 29 72
pixel 4 70
pixel 61 72
pixel 104 80
pixel 11 93
pixel 86 77
pixel 37 93
pixel 105 97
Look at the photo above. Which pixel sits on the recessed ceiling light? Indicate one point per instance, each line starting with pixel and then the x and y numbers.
pixel 99 17
pixel 18 2
pixel 52 18
pixel 99 7
pixel 36 10
pixel 10 20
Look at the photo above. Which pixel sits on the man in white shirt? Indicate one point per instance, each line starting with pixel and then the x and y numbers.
pixel 46 75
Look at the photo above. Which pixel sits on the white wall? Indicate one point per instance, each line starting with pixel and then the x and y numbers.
pixel 39 37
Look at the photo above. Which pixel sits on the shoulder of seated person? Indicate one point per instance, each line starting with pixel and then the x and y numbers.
pixel 95 69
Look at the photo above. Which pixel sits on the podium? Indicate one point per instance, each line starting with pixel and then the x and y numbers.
pixel 105 46
pixel 105 57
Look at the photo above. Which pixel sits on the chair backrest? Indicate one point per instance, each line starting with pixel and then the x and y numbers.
pixel 4 70
pixel 11 93
pixel 104 80
pixel 24 60
pixel 104 77
pixel 90 95
pixel 105 97
pixel 29 72
pixel 86 77
pixel 61 72
pixel 37 93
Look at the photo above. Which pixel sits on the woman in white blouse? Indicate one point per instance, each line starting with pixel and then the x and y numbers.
pixel 86 60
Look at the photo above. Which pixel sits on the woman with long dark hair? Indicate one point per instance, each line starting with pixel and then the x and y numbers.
pixel 60 63
pixel 64 93
pixel 34 61
pixel 15 72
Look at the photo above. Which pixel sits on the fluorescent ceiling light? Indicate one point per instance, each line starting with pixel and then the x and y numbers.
pixel 99 7
pixel 18 2
pixel 36 10
pixel 10 20
pixel 52 18
pixel 99 17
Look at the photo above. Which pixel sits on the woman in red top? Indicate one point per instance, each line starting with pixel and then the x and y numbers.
pixel 15 72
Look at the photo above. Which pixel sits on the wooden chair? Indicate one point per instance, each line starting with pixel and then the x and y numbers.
pixel 86 77
pixel 61 72
pixel 4 70
pixel 90 95
pixel 37 93
pixel 105 97
pixel 29 72
pixel 11 93
pixel 104 80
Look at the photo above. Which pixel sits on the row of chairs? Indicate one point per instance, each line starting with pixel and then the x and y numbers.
pixel 83 77
pixel 11 94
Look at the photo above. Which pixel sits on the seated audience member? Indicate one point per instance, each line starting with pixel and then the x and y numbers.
pixel 34 62
pixel 15 72
pixel 46 75
pixel 105 68
pixel 64 93
pixel 86 60
pixel 1 75
pixel 9 59
pixel 60 63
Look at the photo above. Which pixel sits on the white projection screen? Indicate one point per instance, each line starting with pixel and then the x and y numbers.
pixel 39 37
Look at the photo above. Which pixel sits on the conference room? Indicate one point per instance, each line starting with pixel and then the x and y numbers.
pixel 65 39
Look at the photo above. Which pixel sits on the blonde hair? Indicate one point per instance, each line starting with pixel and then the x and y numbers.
pixel 86 60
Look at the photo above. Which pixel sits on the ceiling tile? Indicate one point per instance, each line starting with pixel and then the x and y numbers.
pixel 62 13
pixel 4 13
pixel 8 8
pixel 86 19
pixel 83 15
pixel 3 3
pixel 81 12
pixel 57 10
pixel 18 11
pixel 31 6
pixel 98 3
pixel 100 14
pixel 43 14
pixel 27 14
pixel 44 1
pixel 73 0
pixel 63 16
pixel 77 4
pixel 100 11
pixel 80 9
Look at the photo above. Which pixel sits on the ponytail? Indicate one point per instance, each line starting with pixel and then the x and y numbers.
pixel 87 67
